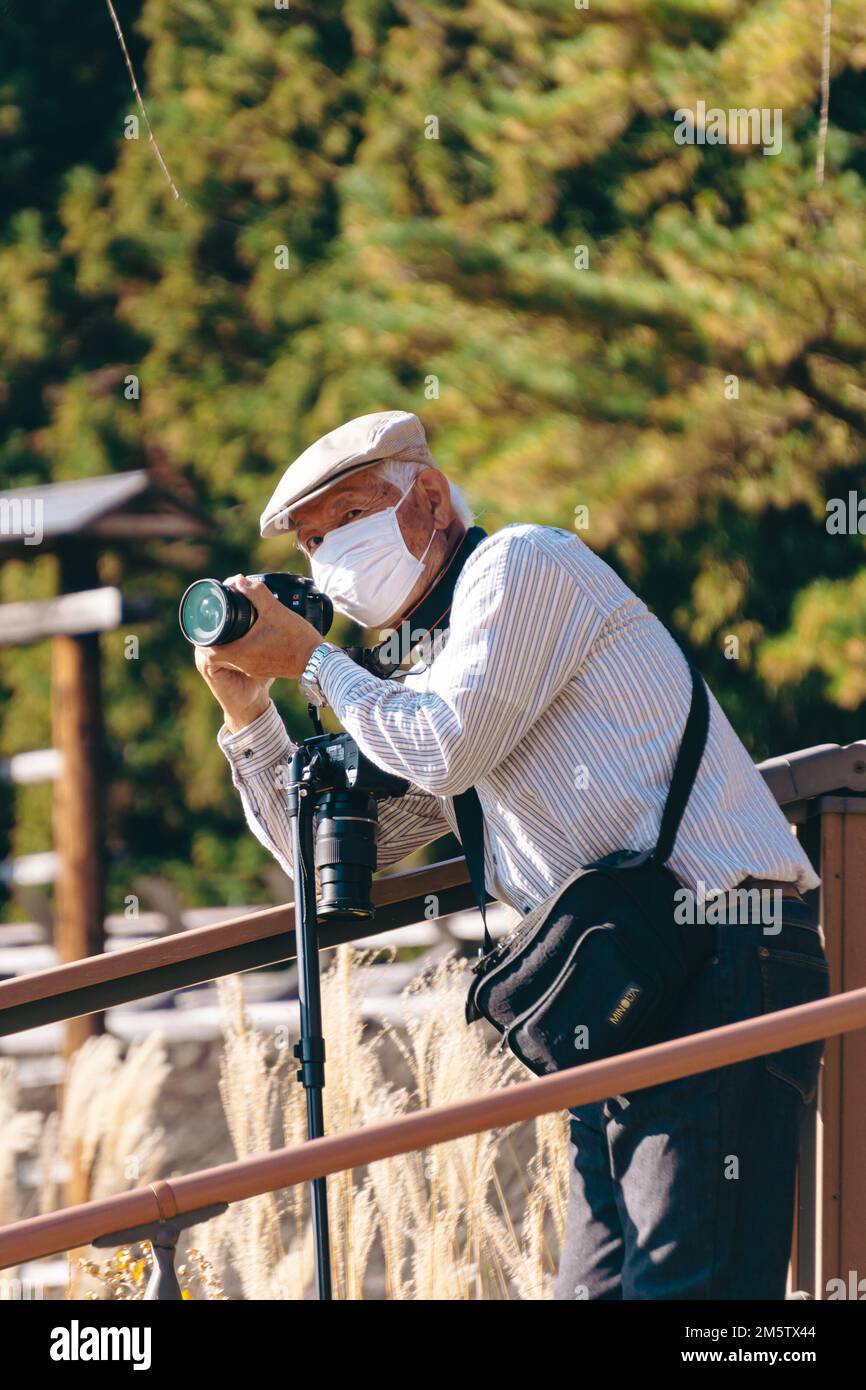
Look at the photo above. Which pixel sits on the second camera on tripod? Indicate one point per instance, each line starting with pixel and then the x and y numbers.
pixel 346 788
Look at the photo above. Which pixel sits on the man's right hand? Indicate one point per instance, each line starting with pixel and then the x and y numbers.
pixel 242 698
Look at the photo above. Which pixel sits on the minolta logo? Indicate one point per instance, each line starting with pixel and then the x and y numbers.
pixel 632 993
pixel 77 1343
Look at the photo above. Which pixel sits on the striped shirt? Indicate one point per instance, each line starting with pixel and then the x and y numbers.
pixel 562 700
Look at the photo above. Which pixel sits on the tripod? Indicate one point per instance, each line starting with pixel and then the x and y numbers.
pixel 333 789
pixel 310 1050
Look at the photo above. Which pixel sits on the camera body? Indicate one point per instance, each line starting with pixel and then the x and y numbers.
pixel 346 787
pixel 212 614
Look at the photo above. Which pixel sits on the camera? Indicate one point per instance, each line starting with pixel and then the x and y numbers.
pixel 333 786
pixel 345 787
pixel 212 614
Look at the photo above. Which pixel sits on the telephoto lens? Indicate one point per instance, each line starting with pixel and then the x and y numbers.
pixel 347 815
pixel 346 825
pixel 212 613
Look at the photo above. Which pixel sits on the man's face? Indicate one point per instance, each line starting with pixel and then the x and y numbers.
pixel 424 511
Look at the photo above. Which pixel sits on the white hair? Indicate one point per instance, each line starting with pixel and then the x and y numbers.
pixel 401 471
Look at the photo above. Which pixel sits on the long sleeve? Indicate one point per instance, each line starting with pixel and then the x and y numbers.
pixel 259 757
pixel 520 627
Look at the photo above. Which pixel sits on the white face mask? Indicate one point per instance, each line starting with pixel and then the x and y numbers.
pixel 366 568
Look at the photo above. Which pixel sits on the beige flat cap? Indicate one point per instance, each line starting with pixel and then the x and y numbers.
pixel 357 444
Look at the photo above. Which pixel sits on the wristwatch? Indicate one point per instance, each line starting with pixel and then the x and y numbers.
pixel 308 679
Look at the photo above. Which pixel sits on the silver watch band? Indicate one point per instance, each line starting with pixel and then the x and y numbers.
pixel 308 680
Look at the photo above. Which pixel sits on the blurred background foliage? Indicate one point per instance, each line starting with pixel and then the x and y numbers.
pixel 438 275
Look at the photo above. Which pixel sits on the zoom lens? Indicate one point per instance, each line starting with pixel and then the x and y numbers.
pixel 211 614
pixel 345 854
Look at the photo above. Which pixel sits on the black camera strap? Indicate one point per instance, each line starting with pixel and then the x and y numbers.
pixel 431 613
pixel 470 827
pixel 691 751
pixel 470 818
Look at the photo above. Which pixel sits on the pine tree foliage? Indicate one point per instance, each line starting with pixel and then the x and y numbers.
pixel 480 212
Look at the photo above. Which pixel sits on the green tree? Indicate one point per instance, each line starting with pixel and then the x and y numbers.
pixel 484 216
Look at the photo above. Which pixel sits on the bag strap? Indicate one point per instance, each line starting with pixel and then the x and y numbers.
pixel 470 826
pixel 691 751
pixel 470 818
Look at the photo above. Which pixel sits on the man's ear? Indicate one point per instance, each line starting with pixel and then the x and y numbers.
pixel 438 493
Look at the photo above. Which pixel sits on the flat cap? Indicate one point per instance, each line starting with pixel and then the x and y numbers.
pixel 365 440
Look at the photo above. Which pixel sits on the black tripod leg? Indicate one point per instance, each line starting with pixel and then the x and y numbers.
pixel 311 1048
pixel 311 1053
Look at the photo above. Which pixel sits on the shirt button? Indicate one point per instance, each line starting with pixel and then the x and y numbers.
pixel 248 752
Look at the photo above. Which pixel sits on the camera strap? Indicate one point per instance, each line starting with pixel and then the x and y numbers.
pixel 470 826
pixel 431 613
pixel 691 751
pixel 470 818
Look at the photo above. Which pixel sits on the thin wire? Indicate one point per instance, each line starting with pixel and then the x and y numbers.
pixel 825 92
pixel 217 220
pixel 126 58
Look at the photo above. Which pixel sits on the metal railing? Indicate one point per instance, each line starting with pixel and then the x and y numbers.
pixel 167 1199
pixel 208 953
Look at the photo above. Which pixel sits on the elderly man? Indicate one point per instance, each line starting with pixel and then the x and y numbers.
pixel 560 698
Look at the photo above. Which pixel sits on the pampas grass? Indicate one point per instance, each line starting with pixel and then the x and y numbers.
pixel 248 1239
pixel 107 1129
pixel 19 1133
pixel 108 1122
pixel 478 1218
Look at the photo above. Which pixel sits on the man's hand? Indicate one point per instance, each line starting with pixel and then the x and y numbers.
pixel 239 674
pixel 241 698
pixel 279 643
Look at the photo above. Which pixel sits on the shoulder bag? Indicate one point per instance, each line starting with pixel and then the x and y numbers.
pixel 598 967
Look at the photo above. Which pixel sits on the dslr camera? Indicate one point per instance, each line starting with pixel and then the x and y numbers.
pixel 212 614
pixel 331 778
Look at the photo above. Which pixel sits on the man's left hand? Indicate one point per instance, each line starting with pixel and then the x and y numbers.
pixel 279 643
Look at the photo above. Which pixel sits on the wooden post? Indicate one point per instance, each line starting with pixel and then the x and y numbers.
pixel 845 1206
pixel 79 817
pixel 836 836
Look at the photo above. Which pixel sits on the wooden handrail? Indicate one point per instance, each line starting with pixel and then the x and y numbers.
pixel 207 953
pixel 265 938
pixel 54 1232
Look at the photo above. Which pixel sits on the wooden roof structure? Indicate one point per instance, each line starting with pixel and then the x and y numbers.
pixel 119 506
pixel 75 521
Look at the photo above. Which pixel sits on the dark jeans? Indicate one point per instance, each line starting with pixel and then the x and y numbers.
pixel 686 1189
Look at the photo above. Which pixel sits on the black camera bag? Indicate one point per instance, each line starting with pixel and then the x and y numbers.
pixel 598 968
